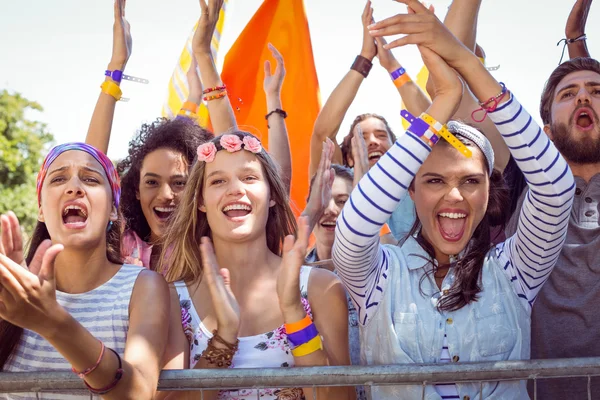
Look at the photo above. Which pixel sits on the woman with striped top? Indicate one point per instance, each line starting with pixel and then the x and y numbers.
pixel 448 294
pixel 77 307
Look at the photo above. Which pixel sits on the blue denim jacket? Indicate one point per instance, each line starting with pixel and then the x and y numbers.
pixel 494 328
pixel 403 218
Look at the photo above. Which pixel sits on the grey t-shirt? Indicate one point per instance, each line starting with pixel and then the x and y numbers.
pixel 566 315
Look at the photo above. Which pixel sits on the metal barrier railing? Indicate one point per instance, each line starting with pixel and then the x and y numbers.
pixel 373 375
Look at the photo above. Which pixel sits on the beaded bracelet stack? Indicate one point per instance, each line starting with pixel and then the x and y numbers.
pixel 222 89
pixel 304 337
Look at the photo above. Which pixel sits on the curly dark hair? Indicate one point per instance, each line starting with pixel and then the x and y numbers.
pixel 180 135
pixel 346 145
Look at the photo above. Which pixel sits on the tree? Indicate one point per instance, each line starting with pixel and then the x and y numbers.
pixel 23 144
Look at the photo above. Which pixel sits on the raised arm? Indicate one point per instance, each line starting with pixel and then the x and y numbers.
pixel 358 257
pixel 332 114
pixel 575 29
pixel 220 111
pixel 531 253
pixel 98 134
pixel 279 142
pixel 33 306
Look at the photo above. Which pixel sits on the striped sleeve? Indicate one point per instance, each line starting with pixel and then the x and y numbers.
pixel 529 256
pixel 357 255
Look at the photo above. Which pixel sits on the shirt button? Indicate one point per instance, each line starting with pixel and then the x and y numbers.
pixel 577 191
pixel 449 321
pixel 589 213
pixel 455 358
pixel 466 398
pixel 445 292
pixel 588 199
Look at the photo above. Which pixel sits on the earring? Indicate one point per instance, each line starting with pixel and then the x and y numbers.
pixel 110 224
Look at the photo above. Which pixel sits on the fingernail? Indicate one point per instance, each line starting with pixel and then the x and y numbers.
pixel 386 46
pixel 370 26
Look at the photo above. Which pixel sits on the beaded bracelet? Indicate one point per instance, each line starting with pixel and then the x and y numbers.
pixel 216 96
pixel 220 357
pixel 495 101
pixel 214 89
pixel 88 371
pixel 110 386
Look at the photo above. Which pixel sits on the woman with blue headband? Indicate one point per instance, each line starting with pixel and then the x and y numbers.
pixel 76 307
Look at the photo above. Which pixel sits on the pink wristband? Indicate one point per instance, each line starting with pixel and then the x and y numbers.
pixel 88 371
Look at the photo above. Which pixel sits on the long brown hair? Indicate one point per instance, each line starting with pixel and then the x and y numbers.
pixel 10 334
pixel 467 270
pixel 180 258
pixel 346 146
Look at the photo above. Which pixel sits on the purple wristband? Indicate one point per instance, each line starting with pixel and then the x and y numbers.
pixel 397 73
pixel 417 125
pixel 303 336
pixel 115 75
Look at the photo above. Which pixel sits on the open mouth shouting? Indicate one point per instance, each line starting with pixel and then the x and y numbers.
pixel 328 225
pixel 451 224
pixel 163 213
pixel 584 118
pixel 374 156
pixel 237 211
pixel 75 215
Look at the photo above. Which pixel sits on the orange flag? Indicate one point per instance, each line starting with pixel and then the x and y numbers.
pixel 284 24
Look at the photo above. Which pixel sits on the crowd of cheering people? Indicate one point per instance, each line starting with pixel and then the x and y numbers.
pixel 471 236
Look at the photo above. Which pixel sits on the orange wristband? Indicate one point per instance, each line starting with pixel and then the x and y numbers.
pixel 402 80
pixel 298 326
pixel 190 106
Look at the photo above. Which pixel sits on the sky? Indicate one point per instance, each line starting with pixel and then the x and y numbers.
pixel 55 52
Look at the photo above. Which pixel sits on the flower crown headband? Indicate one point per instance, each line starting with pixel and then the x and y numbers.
pixel 232 143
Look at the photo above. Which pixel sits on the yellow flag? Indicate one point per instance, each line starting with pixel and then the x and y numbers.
pixel 178 90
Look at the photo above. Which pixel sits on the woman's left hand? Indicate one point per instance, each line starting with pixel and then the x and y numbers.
pixel 28 297
pixel 288 281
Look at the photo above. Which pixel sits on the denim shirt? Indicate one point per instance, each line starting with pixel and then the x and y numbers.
pixel 494 328
pixel 403 218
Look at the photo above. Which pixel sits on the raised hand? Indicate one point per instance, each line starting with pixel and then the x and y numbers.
pixel 369 49
pixel 422 28
pixel 219 285
pixel 11 243
pixel 206 25
pixel 194 82
pixel 273 81
pixel 28 297
pixel 122 43
pixel 360 155
pixel 320 194
pixel 577 19
pixel 288 280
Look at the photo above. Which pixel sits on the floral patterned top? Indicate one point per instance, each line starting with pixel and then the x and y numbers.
pixel 270 349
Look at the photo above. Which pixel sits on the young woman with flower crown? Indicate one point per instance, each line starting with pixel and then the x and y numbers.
pixel 263 308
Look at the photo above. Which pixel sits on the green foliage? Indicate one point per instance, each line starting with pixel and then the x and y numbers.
pixel 23 144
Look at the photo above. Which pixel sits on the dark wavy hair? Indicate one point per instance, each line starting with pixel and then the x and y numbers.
pixel 10 334
pixel 346 145
pixel 180 135
pixel 564 69
pixel 467 270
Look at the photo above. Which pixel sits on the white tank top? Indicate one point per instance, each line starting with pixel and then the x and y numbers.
pixel 270 349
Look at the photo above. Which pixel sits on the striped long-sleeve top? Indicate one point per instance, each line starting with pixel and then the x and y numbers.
pixel 401 323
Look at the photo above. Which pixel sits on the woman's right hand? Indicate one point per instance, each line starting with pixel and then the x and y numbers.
pixel 122 43
pixel 369 49
pixel 206 26
pixel 219 285
pixel 11 238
